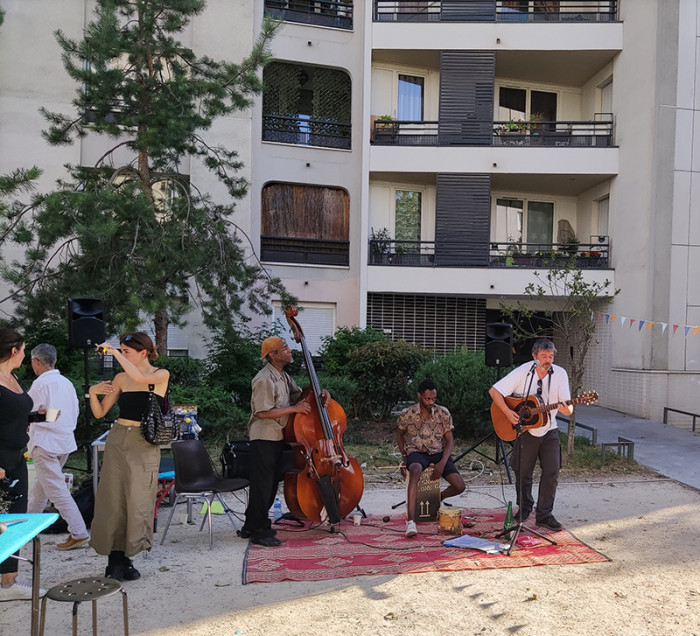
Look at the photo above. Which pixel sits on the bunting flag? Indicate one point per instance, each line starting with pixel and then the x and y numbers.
pixel 612 318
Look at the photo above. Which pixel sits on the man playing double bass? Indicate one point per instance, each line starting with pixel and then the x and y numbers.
pixel 275 397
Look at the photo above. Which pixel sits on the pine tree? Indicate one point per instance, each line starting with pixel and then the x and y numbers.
pixel 138 233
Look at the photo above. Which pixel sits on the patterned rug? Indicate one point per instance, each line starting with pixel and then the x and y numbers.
pixel 379 547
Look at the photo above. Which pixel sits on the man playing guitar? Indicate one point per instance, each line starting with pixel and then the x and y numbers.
pixel 551 386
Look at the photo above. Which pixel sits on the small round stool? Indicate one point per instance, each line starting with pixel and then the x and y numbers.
pixel 85 589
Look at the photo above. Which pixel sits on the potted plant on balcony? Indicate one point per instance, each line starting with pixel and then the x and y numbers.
pixel 380 242
pixel 384 129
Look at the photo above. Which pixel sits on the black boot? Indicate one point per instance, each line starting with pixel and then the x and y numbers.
pixel 115 565
pixel 130 572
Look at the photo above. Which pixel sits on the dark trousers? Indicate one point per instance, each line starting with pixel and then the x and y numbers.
pixel 548 450
pixel 265 465
pixel 15 468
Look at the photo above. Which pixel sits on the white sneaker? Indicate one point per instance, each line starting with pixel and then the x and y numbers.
pixel 411 530
pixel 18 591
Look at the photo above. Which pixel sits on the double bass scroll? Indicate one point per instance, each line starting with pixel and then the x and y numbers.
pixel 330 484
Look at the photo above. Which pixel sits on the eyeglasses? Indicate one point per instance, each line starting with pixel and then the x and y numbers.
pixel 127 338
pixel 539 387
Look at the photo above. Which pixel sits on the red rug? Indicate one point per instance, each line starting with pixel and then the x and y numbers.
pixel 312 553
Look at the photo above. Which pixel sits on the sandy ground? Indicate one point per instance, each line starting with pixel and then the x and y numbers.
pixel 648 528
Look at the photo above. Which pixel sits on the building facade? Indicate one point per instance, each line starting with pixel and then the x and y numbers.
pixel 414 163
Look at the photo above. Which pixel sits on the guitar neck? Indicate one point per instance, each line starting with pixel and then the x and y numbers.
pixel 551 407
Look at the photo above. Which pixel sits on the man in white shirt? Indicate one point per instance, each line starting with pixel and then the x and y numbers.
pixel 550 383
pixel 51 443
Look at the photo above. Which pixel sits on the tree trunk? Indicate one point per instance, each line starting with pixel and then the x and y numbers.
pixel 160 324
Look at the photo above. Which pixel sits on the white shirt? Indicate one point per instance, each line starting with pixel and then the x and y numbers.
pixel 555 388
pixel 52 390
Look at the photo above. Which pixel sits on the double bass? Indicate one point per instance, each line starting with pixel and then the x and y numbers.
pixel 328 484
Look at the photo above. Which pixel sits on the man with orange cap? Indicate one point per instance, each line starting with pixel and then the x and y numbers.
pixel 275 397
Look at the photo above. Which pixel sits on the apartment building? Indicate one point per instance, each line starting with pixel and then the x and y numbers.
pixel 413 163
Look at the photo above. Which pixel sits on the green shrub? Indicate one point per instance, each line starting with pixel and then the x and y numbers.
pixel 463 382
pixel 336 349
pixel 343 390
pixel 383 371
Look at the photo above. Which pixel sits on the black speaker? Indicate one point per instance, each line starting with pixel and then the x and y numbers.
pixel 499 344
pixel 86 327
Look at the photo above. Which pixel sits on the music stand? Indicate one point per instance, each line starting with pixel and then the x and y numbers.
pixel 518 527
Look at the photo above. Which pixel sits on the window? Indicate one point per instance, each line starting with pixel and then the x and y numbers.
pixel 408 214
pixel 306 105
pixel 603 216
pixel 305 224
pixel 410 102
pixel 525 104
pixel 518 221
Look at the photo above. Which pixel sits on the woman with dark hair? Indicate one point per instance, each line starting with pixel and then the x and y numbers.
pixel 126 493
pixel 15 406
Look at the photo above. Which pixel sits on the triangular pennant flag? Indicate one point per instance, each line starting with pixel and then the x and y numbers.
pixel 641 324
pixel 687 329
pixel 607 318
pixel 622 320
pixel 614 317
pixel 650 324
pixel 663 327
pixel 599 317
pixel 695 330
pixel 674 329
pixel 632 322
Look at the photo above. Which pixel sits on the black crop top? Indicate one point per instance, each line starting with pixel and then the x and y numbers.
pixel 132 404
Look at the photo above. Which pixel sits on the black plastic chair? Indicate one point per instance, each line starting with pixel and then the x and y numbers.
pixel 195 478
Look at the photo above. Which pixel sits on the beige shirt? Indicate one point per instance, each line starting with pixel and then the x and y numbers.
pixel 271 389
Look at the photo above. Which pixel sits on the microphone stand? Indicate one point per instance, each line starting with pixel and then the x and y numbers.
pixel 519 527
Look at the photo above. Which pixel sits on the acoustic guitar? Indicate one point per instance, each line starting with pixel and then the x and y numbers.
pixel 532 412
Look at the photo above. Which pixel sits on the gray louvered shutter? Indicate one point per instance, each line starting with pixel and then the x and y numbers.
pixel 468 10
pixel 466 97
pixel 463 210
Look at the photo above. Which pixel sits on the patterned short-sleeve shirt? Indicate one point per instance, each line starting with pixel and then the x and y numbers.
pixel 425 436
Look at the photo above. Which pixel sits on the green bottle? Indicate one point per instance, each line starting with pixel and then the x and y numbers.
pixel 509 522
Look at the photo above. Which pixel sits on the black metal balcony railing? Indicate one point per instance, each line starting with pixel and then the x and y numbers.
pixel 542 255
pixel 492 11
pixel 582 134
pixel 304 251
pixel 328 13
pixel 305 131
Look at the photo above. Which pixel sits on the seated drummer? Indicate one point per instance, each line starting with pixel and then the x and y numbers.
pixel 425 439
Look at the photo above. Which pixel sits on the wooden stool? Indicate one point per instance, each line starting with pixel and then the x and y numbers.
pixel 85 589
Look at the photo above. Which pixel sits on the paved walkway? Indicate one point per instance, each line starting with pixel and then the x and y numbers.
pixel 671 451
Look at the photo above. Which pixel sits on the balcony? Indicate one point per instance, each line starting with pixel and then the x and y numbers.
pixel 552 134
pixel 276 249
pixel 326 13
pixel 495 11
pixel 522 255
pixel 305 131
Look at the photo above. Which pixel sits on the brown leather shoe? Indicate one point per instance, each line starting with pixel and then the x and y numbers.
pixel 72 544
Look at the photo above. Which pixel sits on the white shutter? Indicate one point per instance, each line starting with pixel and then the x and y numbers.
pixel 316 319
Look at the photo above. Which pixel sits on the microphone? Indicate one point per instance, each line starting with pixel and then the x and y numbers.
pixel 535 364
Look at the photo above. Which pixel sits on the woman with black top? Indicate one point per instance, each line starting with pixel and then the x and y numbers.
pixel 15 406
pixel 126 492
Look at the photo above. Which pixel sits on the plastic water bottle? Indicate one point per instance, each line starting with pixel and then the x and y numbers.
pixel 277 508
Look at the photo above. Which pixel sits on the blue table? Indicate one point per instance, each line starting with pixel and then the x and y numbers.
pixel 18 535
